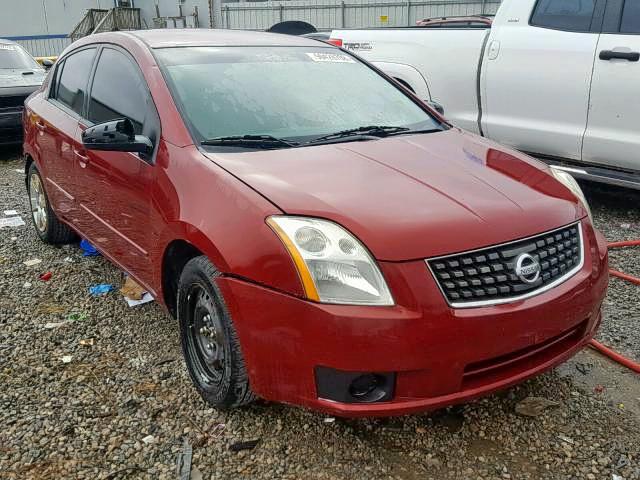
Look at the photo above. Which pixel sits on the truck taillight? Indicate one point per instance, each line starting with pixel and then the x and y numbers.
pixel 335 41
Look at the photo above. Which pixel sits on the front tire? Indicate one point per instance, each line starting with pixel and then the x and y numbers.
pixel 209 340
pixel 48 227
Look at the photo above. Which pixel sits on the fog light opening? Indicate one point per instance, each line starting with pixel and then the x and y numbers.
pixel 368 388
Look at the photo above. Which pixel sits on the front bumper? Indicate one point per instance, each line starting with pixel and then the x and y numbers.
pixel 10 126
pixel 438 356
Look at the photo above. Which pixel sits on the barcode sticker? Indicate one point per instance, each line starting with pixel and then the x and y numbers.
pixel 330 57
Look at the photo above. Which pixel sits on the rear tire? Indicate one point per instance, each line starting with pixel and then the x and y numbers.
pixel 48 227
pixel 209 340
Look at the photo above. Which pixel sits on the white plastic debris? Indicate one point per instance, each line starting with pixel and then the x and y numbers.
pixel 146 298
pixel 148 439
pixel 68 259
pixel 67 359
pixel 26 285
pixel 52 325
pixel 11 222
pixel 13 239
pixel 329 419
pixel 10 213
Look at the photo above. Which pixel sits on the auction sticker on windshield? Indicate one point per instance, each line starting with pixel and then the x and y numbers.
pixel 330 57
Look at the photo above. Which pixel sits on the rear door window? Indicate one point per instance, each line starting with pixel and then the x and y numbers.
pixel 568 15
pixel 630 17
pixel 71 86
pixel 118 90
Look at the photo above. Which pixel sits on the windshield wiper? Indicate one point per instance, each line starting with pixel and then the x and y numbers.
pixel 373 131
pixel 250 141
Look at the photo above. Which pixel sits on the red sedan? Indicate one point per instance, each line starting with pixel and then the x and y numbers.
pixel 322 236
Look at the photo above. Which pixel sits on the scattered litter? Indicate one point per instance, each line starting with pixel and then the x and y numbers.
pixel 565 439
pixel 87 342
pixel 26 285
pixel 132 290
pixel 534 406
pixel 31 263
pixel 13 239
pixel 149 439
pixel 88 250
pixel 45 277
pixel 67 359
pixel 621 406
pixel 421 430
pixel 10 213
pixel 52 325
pixel 329 419
pixel 598 389
pixel 100 289
pixel 18 170
pixel 196 474
pixel 584 368
pixel 248 445
pixel 184 461
pixel 76 316
pixel 616 477
pixel 49 308
pixel 626 226
pixel 11 222
pixel 68 259
pixel 146 298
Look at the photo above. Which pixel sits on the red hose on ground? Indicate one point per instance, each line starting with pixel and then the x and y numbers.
pixel 615 356
pixel 630 364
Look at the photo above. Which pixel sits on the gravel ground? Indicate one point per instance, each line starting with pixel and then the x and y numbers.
pixel 123 405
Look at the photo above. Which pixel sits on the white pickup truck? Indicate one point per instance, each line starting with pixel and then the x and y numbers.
pixel 559 79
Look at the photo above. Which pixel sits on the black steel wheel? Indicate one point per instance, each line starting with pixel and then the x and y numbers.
pixel 209 339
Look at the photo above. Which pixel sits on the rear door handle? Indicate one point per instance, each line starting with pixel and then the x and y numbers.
pixel 611 54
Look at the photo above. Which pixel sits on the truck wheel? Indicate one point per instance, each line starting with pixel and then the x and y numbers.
pixel 48 227
pixel 209 340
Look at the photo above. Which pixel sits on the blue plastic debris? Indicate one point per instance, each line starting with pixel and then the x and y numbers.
pixel 100 289
pixel 88 249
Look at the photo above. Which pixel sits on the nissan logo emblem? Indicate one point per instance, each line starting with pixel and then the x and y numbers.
pixel 527 268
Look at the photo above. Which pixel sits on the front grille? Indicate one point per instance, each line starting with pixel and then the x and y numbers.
pixel 488 276
pixel 12 101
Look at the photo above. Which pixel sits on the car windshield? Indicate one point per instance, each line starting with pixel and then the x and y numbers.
pixel 15 57
pixel 286 93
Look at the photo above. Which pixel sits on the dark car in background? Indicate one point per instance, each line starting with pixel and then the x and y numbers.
pixel 20 76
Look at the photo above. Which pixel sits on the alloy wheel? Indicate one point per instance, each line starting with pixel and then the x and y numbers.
pixel 38 202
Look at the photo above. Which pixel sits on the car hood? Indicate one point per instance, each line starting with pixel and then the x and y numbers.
pixel 411 197
pixel 11 78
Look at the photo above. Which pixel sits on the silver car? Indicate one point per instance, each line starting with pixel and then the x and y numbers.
pixel 20 75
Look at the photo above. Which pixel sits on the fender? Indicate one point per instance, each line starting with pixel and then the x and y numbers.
pixel 407 74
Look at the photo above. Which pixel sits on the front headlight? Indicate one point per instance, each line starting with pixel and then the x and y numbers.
pixel 572 185
pixel 333 265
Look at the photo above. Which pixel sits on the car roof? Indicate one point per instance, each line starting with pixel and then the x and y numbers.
pixel 163 38
pixel 4 41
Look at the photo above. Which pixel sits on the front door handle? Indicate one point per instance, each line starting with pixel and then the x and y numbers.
pixel 611 54
pixel 82 159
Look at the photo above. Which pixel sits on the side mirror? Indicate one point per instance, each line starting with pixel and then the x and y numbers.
pixel 47 63
pixel 116 136
pixel 436 106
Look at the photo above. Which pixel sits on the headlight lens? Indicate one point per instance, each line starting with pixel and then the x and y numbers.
pixel 333 265
pixel 572 185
